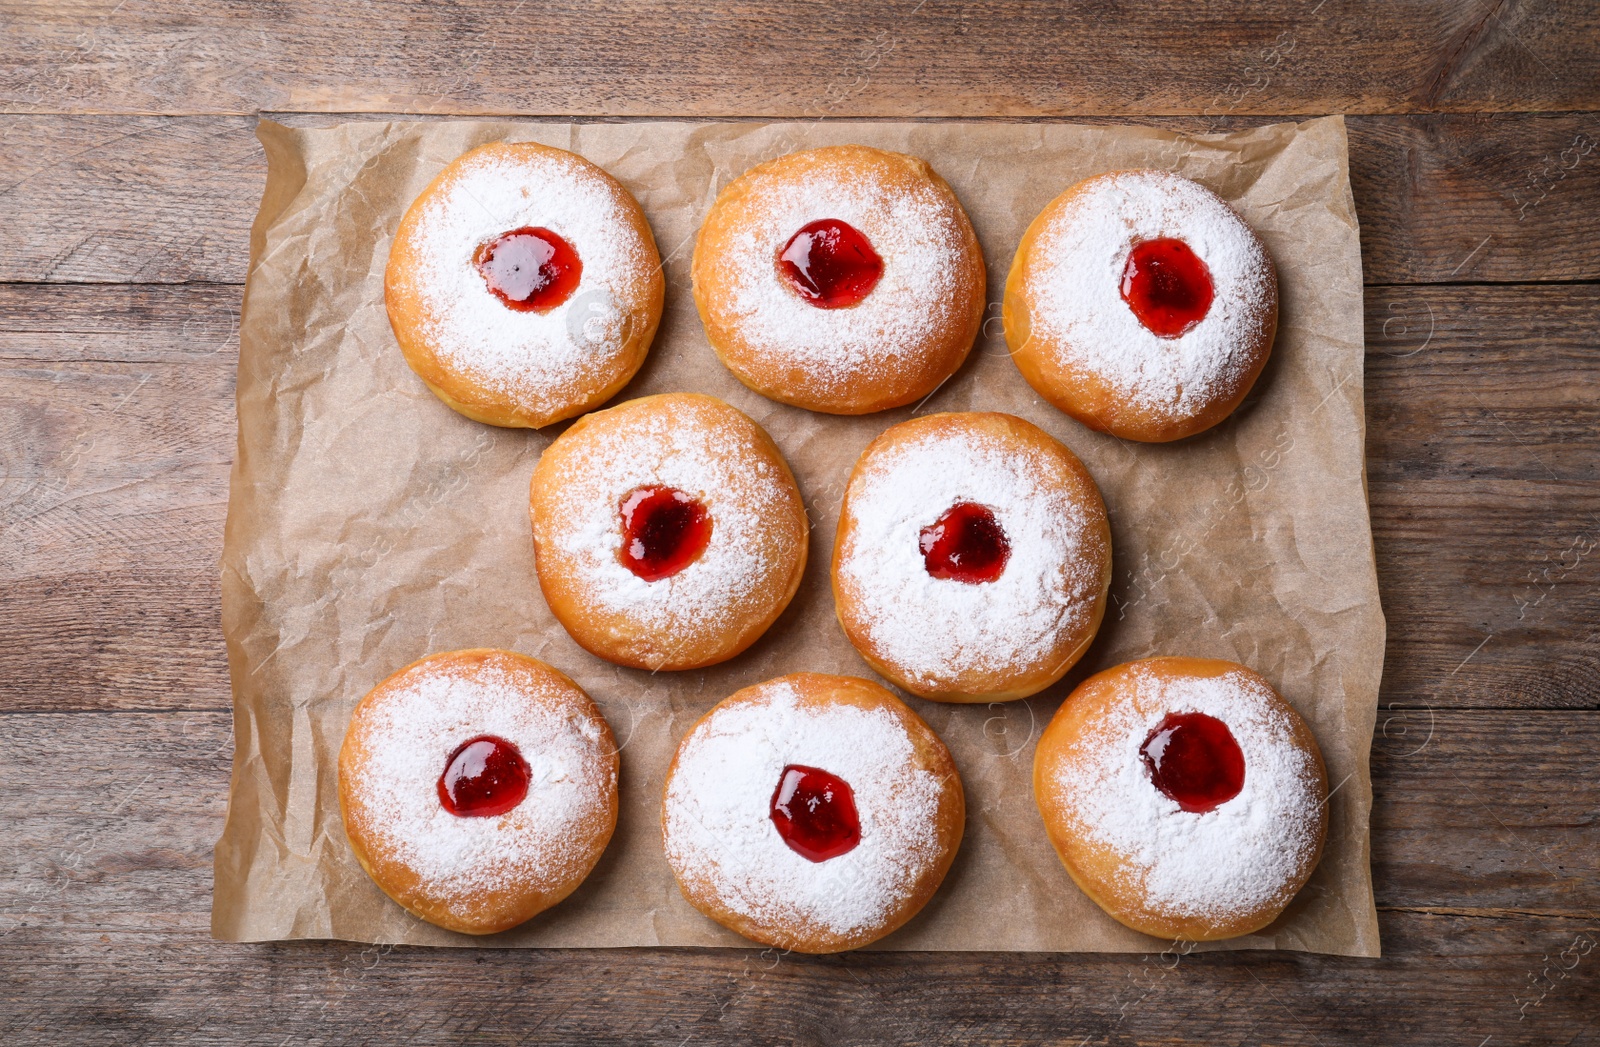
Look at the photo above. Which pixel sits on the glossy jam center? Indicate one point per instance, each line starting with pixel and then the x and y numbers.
pixel 966 544
pixel 483 777
pixel 1167 286
pixel 1193 759
pixel 831 264
pixel 815 813
pixel 664 530
pixel 532 270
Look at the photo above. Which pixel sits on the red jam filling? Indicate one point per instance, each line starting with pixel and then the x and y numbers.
pixel 664 530
pixel 830 264
pixel 966 544
pixel 815 813
pixel 1193 759
pixel 532 270
pixel 1167 286
pixel 483 777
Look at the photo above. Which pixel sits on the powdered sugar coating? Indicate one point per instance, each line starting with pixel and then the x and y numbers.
pixel 915 226
pixel 407 730
pixel 1246 855
pixel 1074 277
pixel 938 631
pixel 709 451
pixel 540 361
pixel 717 824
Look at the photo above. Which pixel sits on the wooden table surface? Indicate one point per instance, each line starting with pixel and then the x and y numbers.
pixel 129 175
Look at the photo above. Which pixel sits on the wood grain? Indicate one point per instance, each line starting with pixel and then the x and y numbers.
pixel 898 58
pixel 170 200
pixel 1483 407
pixel 1478 884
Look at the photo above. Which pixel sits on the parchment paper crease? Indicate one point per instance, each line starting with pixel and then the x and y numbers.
pixel 369 525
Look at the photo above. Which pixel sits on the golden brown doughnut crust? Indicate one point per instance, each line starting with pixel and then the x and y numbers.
pixel 1068 479
pixel 1098 869
pixel 907 367
pixel 585 473
pixel 1086 395
pixel 615 360
pixel 816 690
pixel 483 910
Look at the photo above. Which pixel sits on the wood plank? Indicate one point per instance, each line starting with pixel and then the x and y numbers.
pixel 114 420
pixel 900 58
pixel 128 200
pixel 1480 198
pixel 1448 980
pixel 1440 198
pixel 1483 410
pixel 112 497
pixel 50 323
pixel 1484 428
pixel 1478 811
pixel 1485 865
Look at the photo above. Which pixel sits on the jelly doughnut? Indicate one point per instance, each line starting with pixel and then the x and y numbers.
pixel 1184 796
pixel 478 788
pixel 973 557
pixel 1142 305
pixel 814 813
pixel 668 532
pixel 524 285
pixel 845 280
